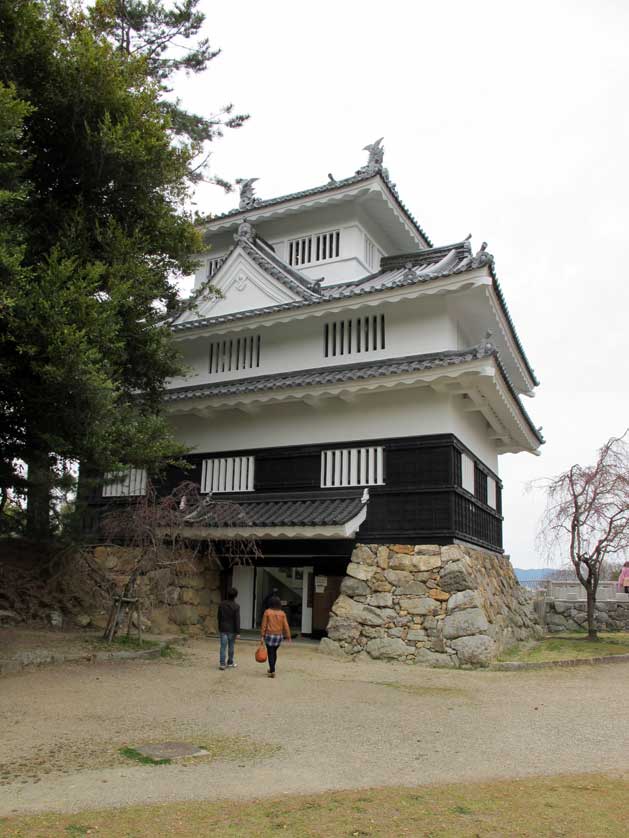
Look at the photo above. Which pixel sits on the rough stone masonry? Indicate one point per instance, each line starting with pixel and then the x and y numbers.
pixel 442 606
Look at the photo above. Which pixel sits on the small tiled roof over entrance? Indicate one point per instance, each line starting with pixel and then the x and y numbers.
pixel 264 515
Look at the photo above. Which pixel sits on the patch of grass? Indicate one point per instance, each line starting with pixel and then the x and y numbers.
pixel 131 753
pixel 130 644
pixel 588 806
pixel 171 652
pixel 569 646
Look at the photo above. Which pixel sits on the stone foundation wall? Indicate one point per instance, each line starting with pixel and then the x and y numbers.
pixel 563 615
pixel 443 606
pixel 182 598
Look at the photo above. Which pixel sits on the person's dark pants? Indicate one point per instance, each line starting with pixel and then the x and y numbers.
pixel 272 653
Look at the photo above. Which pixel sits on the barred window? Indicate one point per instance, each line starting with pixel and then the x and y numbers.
pixel 372 254
pixel 213 265
pixel 467 473
pixel 235 354
pixel 352 467
pixel 491 492
pixel 480 484
pixel 317 248
pixel 128 483
pixel 360 334
pixel 227 474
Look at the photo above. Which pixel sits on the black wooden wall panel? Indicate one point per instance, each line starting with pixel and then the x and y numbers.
pixel 421 498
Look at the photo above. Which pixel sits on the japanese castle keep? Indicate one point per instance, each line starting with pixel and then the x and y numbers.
pixel 351 389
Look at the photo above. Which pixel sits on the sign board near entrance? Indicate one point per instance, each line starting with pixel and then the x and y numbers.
pixel 320 584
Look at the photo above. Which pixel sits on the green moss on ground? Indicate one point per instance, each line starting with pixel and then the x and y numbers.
pixel 569 646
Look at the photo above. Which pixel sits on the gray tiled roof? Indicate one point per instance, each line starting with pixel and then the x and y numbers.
pixel 397 271
pixel 296 509
pixel 322 375
pixel 347 372
pixel 326 187
pixel 430 264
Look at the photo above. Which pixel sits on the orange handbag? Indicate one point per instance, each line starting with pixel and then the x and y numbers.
pixel 261 655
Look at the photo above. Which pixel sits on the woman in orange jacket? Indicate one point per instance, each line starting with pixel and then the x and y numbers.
pixel 274 629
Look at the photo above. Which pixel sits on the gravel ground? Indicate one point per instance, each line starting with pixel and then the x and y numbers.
pixel 321 724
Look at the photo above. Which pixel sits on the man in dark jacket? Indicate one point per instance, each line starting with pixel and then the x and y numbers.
pixel 228 627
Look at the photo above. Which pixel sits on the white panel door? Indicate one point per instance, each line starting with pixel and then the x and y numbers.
pixel 306 612
pixel 242 580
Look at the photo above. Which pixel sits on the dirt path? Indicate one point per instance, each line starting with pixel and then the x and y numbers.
pixel 321 724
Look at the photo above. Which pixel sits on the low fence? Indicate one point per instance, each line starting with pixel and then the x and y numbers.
pixel 562 606
pixel 574 591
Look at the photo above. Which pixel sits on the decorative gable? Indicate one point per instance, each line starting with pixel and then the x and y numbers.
pixel 245 283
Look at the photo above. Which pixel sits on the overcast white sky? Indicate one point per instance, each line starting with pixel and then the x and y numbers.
pixel 507 120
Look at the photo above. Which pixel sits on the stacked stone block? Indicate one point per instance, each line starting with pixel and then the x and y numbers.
pixel 563 615
pixel 183 597
pixel 442 606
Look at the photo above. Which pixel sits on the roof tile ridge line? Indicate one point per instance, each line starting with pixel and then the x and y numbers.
pixel 428 251
pixel 404 208
pixel 273 258
pixel 445 354
pixel 400 283
pixel 283 275
pixel 195 297
pixel 290 196
pixel 505 310
pixel 515 395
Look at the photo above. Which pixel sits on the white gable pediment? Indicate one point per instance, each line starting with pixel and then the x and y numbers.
pixel 244 286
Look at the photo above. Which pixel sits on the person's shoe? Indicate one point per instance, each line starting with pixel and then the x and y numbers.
pixel 222 667
pixel 271 674
pixel 232 665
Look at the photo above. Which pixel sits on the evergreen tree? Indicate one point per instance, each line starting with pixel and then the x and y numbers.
pixel 95 175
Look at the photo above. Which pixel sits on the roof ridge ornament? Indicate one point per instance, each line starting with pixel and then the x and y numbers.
pixel 486 347
pixel 246 232
pixel 248 199
pixel 482 257
pixel 375 161
pixel 409 271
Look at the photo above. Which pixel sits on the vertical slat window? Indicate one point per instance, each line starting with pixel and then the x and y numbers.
pixel 320 247
pixel 361 334
pixel 128 483
pixel 235 354
pixel 213 265
pixel 491 492
pixel 352 467
pixel 480 484
pixel 467 473
pixel 227 474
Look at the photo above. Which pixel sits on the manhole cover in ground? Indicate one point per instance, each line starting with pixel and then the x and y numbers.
pixel 170 750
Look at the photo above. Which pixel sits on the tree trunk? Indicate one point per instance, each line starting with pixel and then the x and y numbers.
pixel 591 613
pixel 39 497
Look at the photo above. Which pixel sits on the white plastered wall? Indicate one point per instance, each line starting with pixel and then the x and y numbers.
pixel 352 221
pixel 419 326
pixel 383 415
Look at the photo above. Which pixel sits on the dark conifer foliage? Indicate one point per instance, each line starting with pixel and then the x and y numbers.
pixel 96 166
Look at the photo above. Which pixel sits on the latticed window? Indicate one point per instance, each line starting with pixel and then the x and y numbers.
pixel 352 467
pixel 467 473
pixel 128 483
pixel 235 354
pixel 348 337
pixel 227 474
pixel 491 492
pixel 316 248
pixel 213 265
pixel 372 254
pixel 480 484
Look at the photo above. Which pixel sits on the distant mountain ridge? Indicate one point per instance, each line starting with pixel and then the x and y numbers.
pixel 530 574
